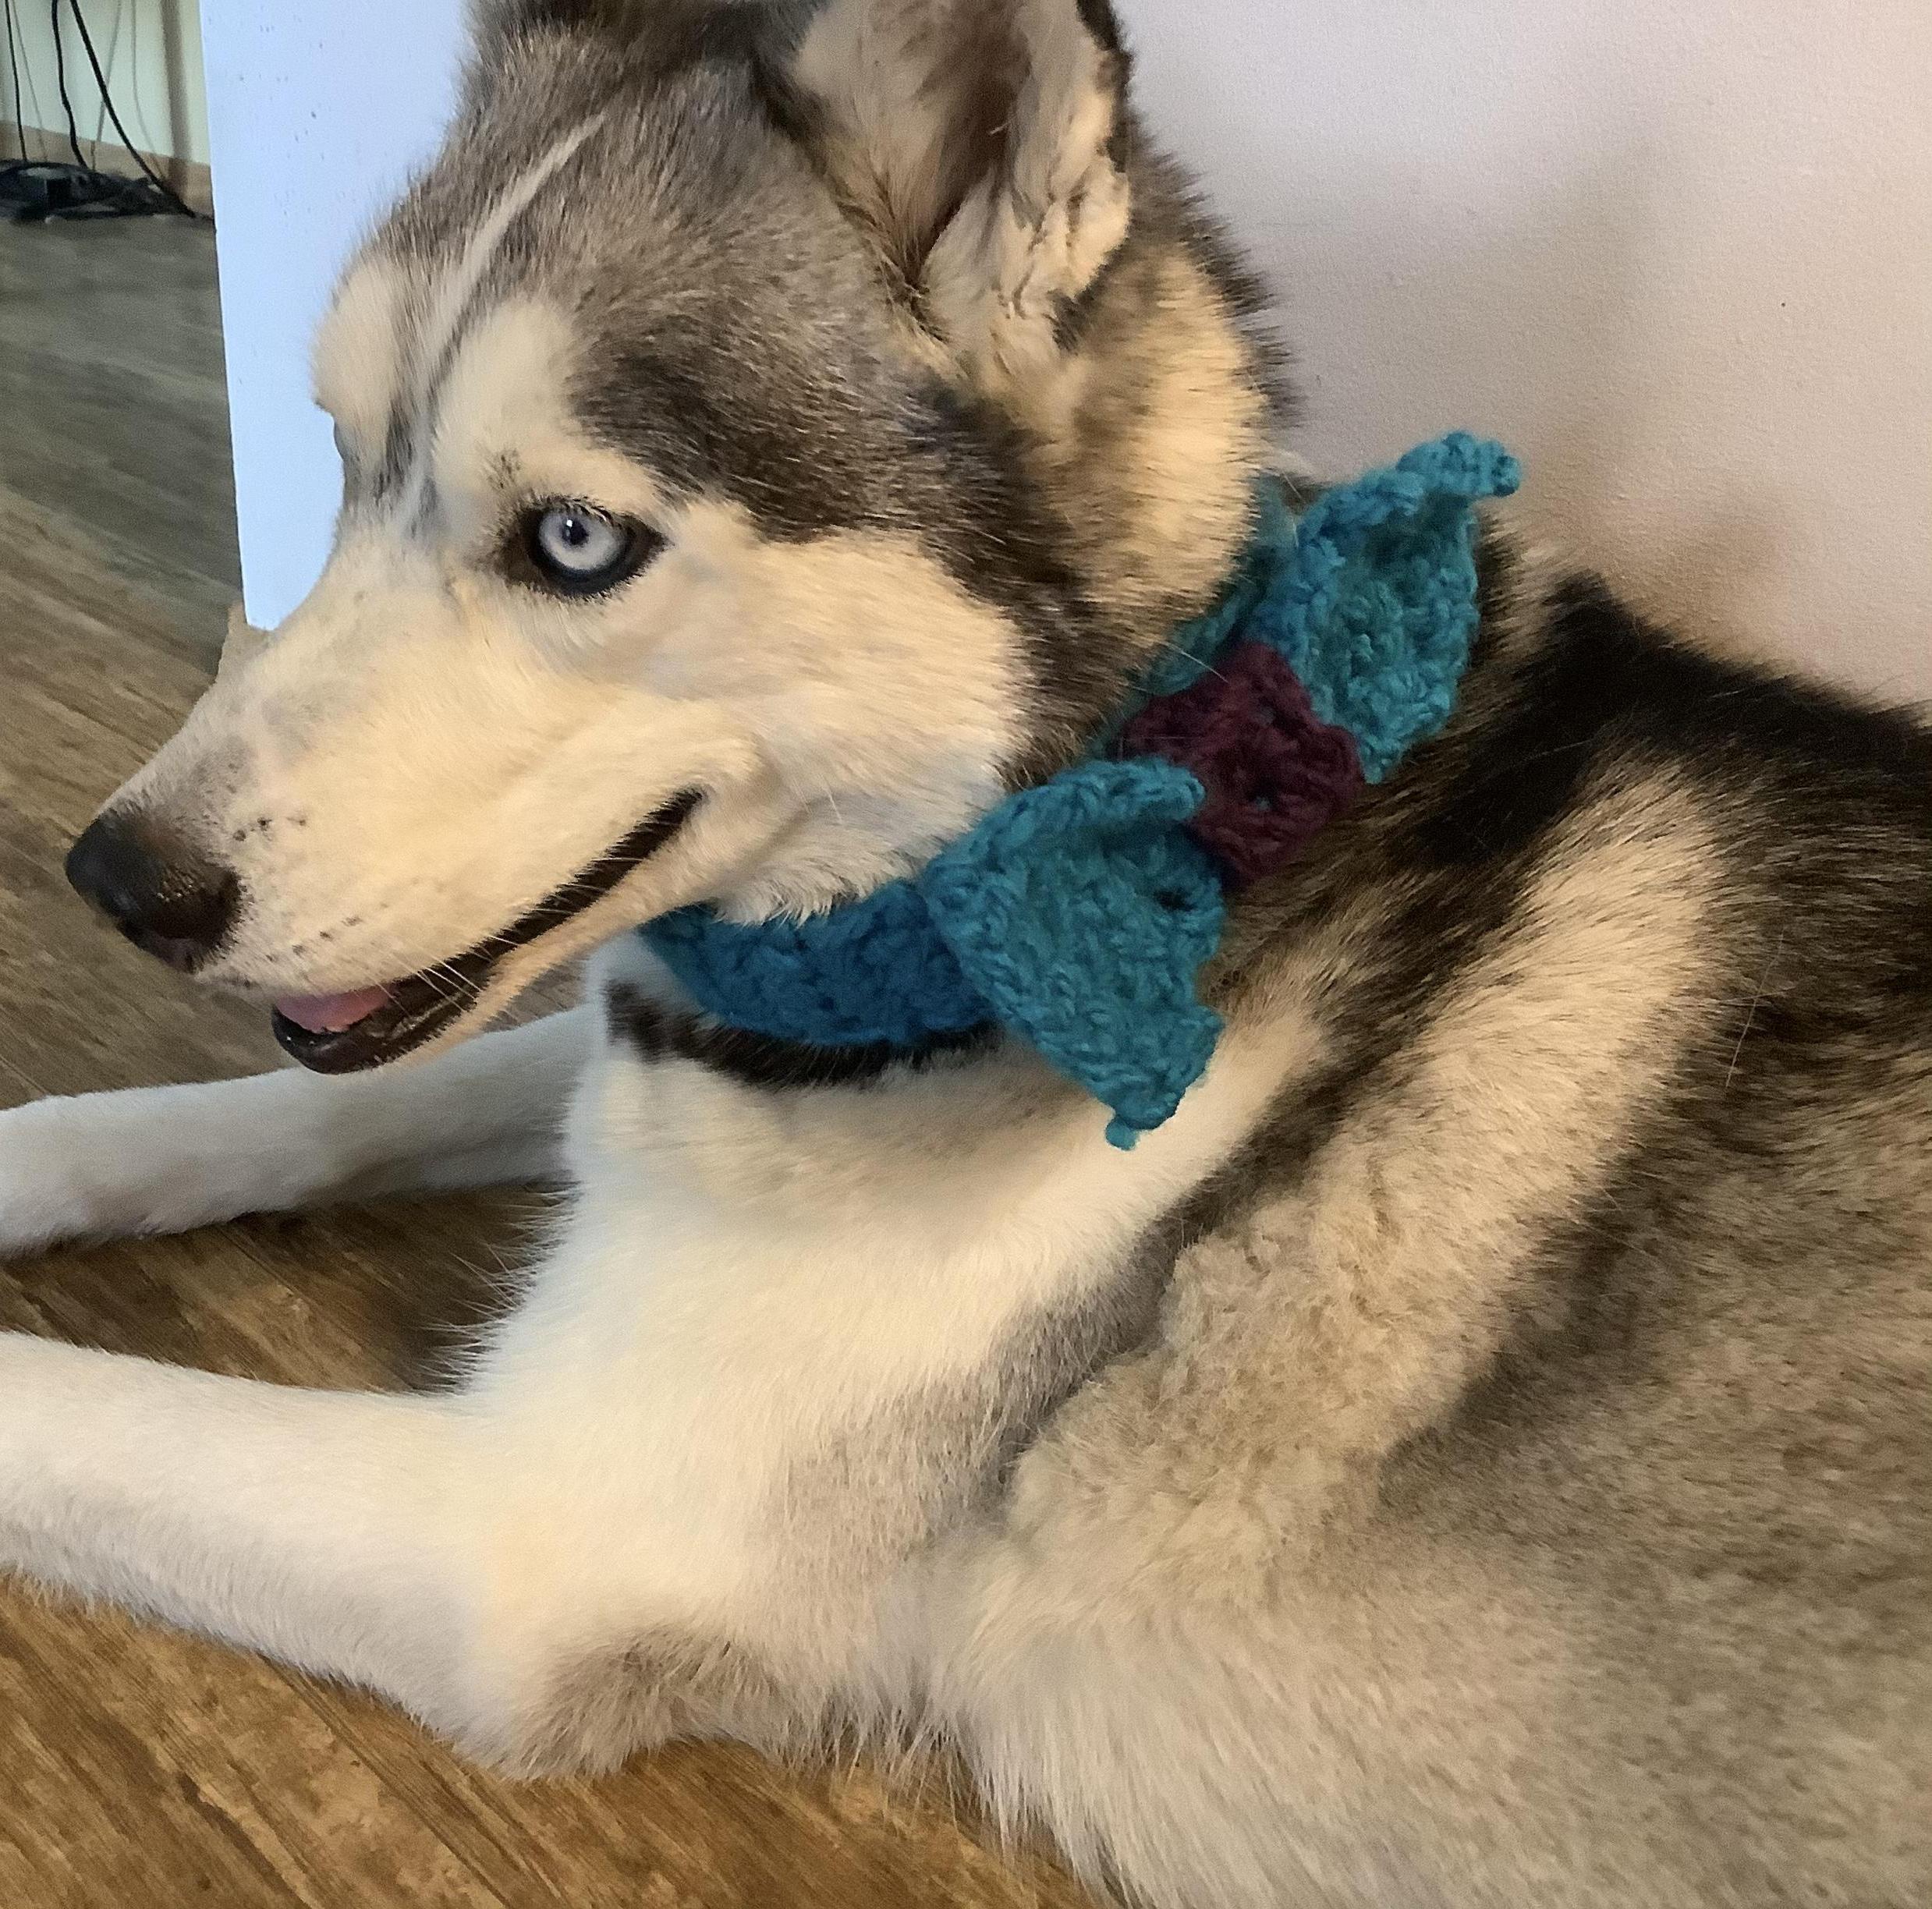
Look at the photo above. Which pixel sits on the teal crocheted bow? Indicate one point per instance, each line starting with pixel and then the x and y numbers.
pixel 1078 915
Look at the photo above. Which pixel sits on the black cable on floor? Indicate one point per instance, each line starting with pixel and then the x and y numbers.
pixel 106 100
pixel 60 81
pixel 37 189
pixel 13 64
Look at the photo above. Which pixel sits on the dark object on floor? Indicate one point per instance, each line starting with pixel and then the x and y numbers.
pixel 32 190
pixel 35 190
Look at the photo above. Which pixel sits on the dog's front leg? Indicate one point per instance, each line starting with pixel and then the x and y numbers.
pixel 161 1160
pixel 330 1529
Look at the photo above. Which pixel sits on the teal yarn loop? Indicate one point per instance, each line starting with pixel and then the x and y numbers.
pixel 1377 610
pixel 1077 915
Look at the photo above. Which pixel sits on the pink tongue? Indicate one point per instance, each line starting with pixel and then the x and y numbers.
pixel 329 1014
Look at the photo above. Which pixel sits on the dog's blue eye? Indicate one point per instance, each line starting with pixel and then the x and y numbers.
pixel 580 550
pixel 579 541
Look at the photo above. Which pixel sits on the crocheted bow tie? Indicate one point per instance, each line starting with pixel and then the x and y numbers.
pixel 1078 915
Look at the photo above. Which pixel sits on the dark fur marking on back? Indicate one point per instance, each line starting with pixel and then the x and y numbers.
pixel 1828 975
pixel 1461 833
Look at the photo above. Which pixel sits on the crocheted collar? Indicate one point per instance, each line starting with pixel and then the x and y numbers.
pixel 1078 915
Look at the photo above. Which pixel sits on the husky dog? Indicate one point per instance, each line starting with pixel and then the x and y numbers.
pixel 1480 1452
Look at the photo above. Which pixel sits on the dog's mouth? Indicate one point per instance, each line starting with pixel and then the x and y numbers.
pixel 345 1033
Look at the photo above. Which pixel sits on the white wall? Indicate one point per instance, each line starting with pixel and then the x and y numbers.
pixel 151 51
pixel 318 114
pixel 1679 252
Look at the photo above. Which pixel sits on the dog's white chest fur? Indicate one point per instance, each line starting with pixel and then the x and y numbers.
pixel 809 1268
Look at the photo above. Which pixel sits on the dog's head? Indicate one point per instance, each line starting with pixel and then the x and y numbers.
pixel 768 431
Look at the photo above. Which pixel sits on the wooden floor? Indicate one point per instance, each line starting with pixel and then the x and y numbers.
pixel 140 1769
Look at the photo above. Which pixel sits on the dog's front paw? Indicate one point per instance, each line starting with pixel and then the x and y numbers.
pixel 44 1191
pixel 60 1181
pixel 92 1166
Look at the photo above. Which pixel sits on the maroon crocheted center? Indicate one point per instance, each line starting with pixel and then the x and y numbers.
pixel 1276 775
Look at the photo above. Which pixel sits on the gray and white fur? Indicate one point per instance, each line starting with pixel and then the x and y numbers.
pixel 1477 1454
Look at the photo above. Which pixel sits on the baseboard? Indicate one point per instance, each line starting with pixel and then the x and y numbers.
pixel 189 178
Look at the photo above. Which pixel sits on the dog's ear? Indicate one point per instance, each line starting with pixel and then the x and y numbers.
pixel 983 142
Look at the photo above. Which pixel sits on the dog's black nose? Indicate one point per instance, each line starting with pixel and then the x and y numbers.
pixel 160 895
